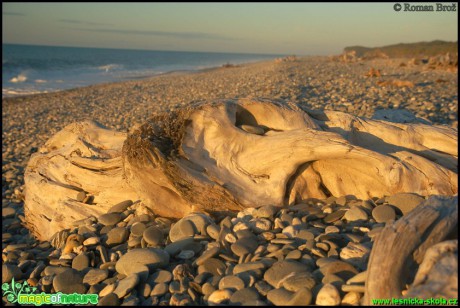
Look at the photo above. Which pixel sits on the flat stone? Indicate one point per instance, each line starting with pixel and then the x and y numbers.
pixel 383 213
pixel 279 297
pixel 351 298
pixel 406 202
pixel 117 236
pixel 302 297
pixel 160 289
pixel 153 236
pixel 299 281
pixel 81 196
pixel 213 231
pixel 358 278
pixel 244 296
pixel 279 271
pixel 231 282
pixel 10 271
pixel 69 281
pixel 8 212
pixel 328 295
pixel 80 262
pixel 219 296
pixel 133 260
pixel 353 288
pixel 109 300
pixel 244 246
pixel 263 287
pixel 212 265
pixel 91 241
pixel 356 254
pixel 334 216
pixel 110 219
pixel 207 254
pixel 248 267
pixel 126 285
pixel 138 228
pixel 54 270
pixel 120 207
pixel 174 248
pixel 95 275
pixel 341 268
pixel 160 276
pixel 266 211
pixel 108 290
pixel 356 213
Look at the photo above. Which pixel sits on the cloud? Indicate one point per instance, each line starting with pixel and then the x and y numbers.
pixel 74 21
pixel 181 35
pixel 13 14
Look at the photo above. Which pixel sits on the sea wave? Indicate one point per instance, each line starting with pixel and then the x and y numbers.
pixel 109 67
pixel 19 78
pixel 41 81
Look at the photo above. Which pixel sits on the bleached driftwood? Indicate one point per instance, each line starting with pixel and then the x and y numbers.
pixel 415 244
pixel 227 155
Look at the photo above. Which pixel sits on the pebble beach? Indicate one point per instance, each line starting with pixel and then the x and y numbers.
pixel 315 252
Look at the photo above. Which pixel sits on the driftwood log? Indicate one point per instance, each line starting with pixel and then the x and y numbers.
pixel 232 154
pixel 425 242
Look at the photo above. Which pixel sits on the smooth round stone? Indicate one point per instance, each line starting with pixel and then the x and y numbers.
pixel 219 296
pixel 117 236
pixel 302 297
pixel 383 213
pixel 95 275
pixel 356 213
pixel 181 230
pixel 341 268
pixel 120 207
pixel 109 219
pixel 107 290
pixel 259 225
pixel 185 254
pixel 10 271
pixel 250 267
pixel 160 276
pixel 279 297
pixel 276 274
pixel 134 241
pixel 330 218
pixel 151 257
pixel 356 254
pixel 207 288
pixel 109 300
pixel 253 129
pixel 266 211
pixel 80 262
pixel 126 285
pixel 294 255
pixel 298 281
pixel 138 228
pixel 8 212
pixel 332 229
pixel 231 282
pixel 305 235
pixel 207 254
pixel 263 287
pixel 91 241
pixel 81 196
pixel 153 236
pixel 174 248
pixel 54 270
pixel 351 298
pixel 244 246
pixel 69 281
pixel 244 296
pixel 212 265
pixel 328 295
pixel 406 202
pixel 213 231
pixel 160 289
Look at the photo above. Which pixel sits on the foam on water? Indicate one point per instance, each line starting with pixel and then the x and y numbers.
pixel 30 69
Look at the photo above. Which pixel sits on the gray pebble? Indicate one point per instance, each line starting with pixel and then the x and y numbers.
pixel 94 276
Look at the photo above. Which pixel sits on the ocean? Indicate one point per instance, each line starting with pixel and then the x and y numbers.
pixel 28 69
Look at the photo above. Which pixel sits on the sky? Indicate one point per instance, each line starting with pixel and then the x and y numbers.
pixel 265 28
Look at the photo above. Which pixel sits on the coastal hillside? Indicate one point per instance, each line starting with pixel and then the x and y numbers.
pixel 409 50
